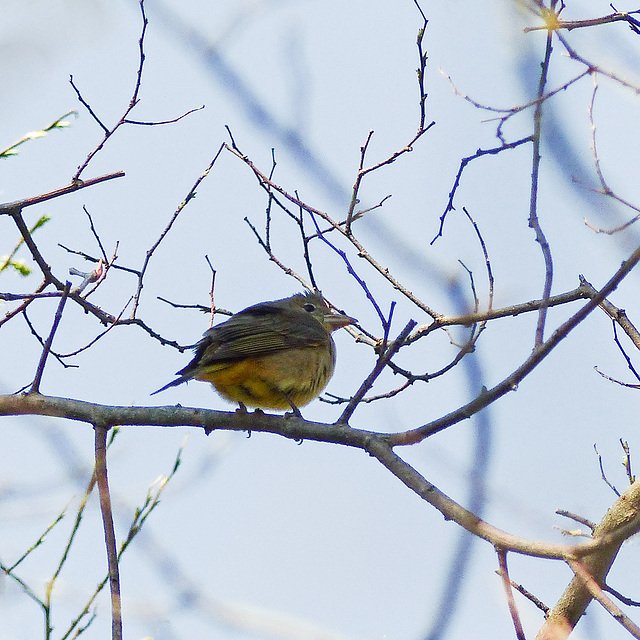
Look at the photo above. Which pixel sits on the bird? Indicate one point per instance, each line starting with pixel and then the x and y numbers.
pixel 277 354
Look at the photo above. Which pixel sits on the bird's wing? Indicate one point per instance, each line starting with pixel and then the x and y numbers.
pixel 247 335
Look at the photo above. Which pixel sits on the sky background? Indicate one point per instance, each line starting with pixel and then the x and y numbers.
pixel 261 537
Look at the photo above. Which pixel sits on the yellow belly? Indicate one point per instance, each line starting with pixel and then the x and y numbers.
pixel 271 381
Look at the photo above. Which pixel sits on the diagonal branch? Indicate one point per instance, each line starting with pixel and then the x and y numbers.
pixel 35 386
pixel 511 382
pixel 592 569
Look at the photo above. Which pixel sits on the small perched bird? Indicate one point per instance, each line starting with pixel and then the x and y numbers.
pixel 273 355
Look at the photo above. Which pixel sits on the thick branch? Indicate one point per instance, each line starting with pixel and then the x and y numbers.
pixel 563 617
pixel 376 444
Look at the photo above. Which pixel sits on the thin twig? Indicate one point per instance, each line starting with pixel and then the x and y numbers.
pixel 27 299
pixel 627 461
pixel 132 103
pixel 35 386
pixel 362 171
pixel 534 220
pixel 616 594
pixel 67 549
pixel 511 382
pixel 211 297
pixel 101 432
pixel 154 123
pixel 506 583
pixel 351 271
pixel 528 595
pixel 99 336
pixel 382 361
pixel 336 226
pixel 505 146
pixel 165 231
pixel 603 474
pixel 574 516
pixel 590 22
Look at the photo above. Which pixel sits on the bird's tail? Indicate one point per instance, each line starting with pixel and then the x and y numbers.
pixel 173 383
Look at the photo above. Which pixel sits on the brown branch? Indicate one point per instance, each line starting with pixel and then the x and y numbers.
pixel 616 314
pixel 361 252
pixel 10 208
pixel 598 594
pixel 506 583
pixel 613 535
pixel 295 428
pixel 109 531
pixel 35 386
pixel 589 22
pixel 35 252
pixel 468 319
pixel 463 165
pixel 165 231
pixel 511 382
pixel 387 353
pixel 534 220
pixel 593 569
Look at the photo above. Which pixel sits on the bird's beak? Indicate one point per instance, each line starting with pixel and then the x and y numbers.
pixel 333 321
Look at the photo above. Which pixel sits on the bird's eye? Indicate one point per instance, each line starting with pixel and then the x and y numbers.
pixel 309 307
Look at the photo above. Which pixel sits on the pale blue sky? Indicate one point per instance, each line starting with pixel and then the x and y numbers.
pixel 261 526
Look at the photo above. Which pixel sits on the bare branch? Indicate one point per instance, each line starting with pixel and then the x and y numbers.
pixel 511 382
pixel 568 25
pixel 35 386
pixel 506 582
pixel 387 352
pixel 109 531
pixel 10 208
pixel 592 570
pixel 622 520
pixel 174 217
pixel 534 221
pixel 598 594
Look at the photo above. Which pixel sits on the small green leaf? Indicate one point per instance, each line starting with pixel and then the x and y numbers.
pixel 21 267
pixel 40 223
pixel 60 123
